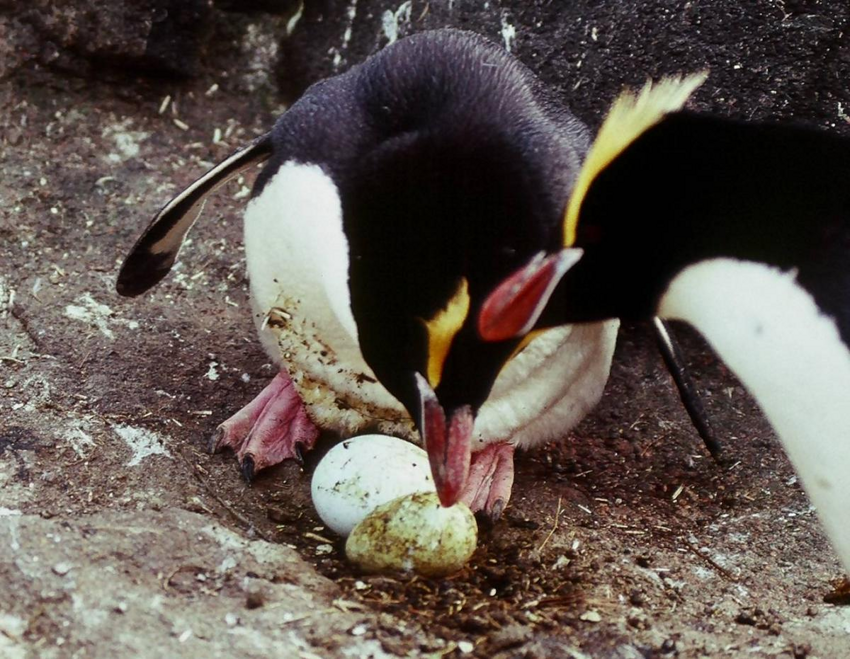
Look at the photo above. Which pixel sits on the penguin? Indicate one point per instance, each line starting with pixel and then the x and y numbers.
pixel 393 199
pixel 740 229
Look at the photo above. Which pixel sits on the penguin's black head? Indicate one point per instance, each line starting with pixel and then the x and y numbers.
pixel 654 194
pixel 430 234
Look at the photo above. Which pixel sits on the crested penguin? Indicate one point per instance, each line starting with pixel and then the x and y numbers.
pixel 394 198
pixel 740 229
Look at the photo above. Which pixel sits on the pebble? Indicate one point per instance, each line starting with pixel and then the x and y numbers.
pixel 591 616
pixel 465 647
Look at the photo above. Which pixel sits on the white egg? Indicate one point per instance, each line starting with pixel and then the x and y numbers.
pixel 414 533
pixel 358 475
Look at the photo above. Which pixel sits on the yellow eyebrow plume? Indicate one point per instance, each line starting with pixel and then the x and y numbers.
pixel 629 117
pixel 442 329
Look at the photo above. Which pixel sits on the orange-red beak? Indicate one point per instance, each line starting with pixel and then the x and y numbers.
pixel 448 443
pixel 515 306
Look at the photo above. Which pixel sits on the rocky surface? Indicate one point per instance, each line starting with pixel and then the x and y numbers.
pixel 120 535
pixel 169 583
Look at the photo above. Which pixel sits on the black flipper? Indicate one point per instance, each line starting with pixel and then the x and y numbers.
pixel 156 250
pixel 673 359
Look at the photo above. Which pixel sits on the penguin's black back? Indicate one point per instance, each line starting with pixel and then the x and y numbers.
pixel 696 187
pixel 427 82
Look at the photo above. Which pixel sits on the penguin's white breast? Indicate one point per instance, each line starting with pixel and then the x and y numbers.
pixel 298 260
pixel 549 386
pixel 296 248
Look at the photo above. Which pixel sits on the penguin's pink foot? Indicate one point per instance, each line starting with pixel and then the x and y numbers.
pixel 270 429
pixel 491 477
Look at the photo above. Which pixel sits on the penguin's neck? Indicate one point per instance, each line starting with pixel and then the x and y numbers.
pixel 790 356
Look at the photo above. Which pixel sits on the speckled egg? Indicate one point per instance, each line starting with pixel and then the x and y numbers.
pixel 358 475
pixel 414 533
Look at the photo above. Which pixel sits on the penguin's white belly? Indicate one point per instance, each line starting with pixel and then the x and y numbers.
pixel 549 386
pixel 297 256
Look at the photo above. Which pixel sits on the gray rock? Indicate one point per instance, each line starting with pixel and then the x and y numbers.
pixel 767 59
pixel 84 36
pixel 176 577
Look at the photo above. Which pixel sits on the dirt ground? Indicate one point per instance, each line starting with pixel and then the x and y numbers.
pixel 121 536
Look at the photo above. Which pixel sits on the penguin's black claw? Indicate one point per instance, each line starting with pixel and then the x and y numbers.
pixel 248 468
pixel 484 519
pixel 496 512
pixel 214 442
pixel 298 451
pixel 487 517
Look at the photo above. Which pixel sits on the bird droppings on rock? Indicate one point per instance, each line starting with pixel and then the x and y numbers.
pixel 143 443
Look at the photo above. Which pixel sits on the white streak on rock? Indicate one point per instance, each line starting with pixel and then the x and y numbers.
pixel 127 142
pixel 390 20
pixel 294 19
pixel 351 14
pixel 143 443
pixel 79 439
pixel 212 372
pixel 92 312
pixel 508 33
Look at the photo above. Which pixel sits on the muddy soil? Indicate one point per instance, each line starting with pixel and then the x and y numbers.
pixel 121 536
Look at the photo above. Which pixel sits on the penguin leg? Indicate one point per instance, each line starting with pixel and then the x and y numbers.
pixel 270 429
pixel 491 477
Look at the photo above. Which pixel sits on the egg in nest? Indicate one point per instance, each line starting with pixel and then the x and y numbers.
pixel 360 474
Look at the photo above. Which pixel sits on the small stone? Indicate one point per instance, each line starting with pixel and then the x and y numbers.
pixel 465 647
pixel 255 599
pixel 802 650
pixel 745 618
pixel 591 616
pixel 62 568
pixel 283 515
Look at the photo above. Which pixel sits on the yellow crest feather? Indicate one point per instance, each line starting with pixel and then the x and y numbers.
pixel 442 329
pixel 629 117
